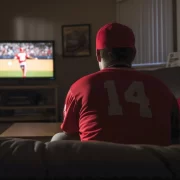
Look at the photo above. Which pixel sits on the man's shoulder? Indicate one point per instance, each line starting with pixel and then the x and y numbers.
pixel 85 79
pixel 155 82
pixel 152 79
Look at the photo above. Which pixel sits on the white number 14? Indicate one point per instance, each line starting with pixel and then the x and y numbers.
pixel 134 94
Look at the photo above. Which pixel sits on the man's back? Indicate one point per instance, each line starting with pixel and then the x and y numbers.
pixel 123 106
pixel 120 105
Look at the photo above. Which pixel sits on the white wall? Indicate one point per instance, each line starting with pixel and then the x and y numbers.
pixel 178 23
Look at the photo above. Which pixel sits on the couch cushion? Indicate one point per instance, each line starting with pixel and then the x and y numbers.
pixel 99 159
pixel 178 100
pixel 21 158
pixel 27 158
pixel 170 156
pixel 170 76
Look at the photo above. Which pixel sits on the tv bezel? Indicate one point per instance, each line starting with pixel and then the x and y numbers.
pixel 33 78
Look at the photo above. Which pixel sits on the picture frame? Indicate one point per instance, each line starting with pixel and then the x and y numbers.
pixel 76 40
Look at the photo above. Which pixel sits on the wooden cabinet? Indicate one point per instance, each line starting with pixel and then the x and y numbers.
pixel 46 111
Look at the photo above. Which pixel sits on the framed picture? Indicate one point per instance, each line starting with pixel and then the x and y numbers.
pixel 76 40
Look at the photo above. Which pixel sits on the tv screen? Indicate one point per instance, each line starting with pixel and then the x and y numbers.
pixel 22 59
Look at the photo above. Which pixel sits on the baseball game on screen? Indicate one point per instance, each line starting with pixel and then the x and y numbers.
pixel 21 60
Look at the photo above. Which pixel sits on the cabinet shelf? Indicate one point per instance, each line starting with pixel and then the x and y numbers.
pixel 28 87
pixel 29 118
pixel 28 107
pixel 48 112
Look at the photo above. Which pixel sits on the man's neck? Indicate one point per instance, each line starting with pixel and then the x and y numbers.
pixel 119 66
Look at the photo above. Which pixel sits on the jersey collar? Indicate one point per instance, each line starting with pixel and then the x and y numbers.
pixel 119 66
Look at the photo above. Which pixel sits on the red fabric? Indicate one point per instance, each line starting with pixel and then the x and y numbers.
pixel 22 57
pixel 71 114
pixel 115 35
pixel 178 100
pixel 87 103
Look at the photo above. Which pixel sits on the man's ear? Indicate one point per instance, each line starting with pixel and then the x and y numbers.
pixel 134 54
pixel 98 56
pixel 110 54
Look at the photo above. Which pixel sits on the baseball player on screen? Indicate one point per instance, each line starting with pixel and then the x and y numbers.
pixel 22 56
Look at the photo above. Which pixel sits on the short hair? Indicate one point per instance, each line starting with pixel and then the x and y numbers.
pixel 126 55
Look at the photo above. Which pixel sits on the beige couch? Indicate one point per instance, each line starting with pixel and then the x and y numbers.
pixel 28 158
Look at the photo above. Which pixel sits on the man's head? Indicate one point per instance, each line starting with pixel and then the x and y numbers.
pixel 21 50
pixel 115 45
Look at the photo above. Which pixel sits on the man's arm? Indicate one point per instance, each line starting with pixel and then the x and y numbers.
pixel 15 58
pixel 64 136
pixel 29 57
pixel 70 125
pixel 175 123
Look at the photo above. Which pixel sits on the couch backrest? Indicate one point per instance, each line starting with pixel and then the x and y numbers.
pixel 22 158
pixel 170 76
pixel 100 159
pixel 28 158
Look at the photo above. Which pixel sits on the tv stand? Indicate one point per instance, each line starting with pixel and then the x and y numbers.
pixel 22 82
pixel 46 112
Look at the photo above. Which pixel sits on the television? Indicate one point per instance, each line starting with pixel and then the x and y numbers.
pixel 27 59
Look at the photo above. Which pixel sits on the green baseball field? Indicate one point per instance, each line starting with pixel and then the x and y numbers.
pixel 28 74
pixel 35 68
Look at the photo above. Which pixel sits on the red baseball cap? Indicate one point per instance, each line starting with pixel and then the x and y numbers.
pixel 21 49
pixel 115 35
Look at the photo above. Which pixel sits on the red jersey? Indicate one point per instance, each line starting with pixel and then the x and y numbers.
pixel 121 106
pixel 178 100
pixel 49 52
pixel 22 57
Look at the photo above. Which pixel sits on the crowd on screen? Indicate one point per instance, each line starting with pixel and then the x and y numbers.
pixel 38 50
